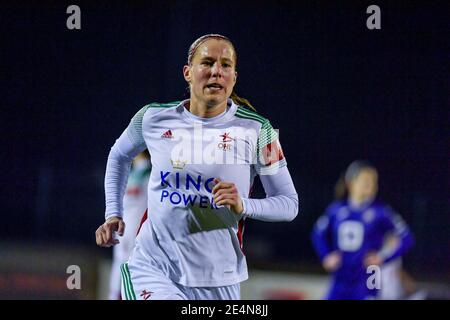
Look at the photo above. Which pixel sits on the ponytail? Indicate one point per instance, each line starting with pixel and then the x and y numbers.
pixel 340 188
pixel 241 101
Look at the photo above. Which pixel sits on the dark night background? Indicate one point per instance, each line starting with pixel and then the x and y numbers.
pixel 335 90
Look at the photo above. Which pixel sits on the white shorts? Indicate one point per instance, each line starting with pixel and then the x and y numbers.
pixel 391 284
pixel 145 281
pixel 122 251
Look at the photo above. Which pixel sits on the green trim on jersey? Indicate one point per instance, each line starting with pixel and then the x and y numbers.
pixel 162 105
pixel 135 127
pixel 267 133
pixel 127 284
pixel 244 113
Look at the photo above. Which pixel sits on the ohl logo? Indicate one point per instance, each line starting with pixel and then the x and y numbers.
pixel 225 144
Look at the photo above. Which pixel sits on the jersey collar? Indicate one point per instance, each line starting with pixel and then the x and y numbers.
pixel 223 117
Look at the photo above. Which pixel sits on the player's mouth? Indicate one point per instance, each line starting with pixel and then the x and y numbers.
pixel 214 87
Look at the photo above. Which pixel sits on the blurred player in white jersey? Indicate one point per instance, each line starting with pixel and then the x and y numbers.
pixel 205 153
pixel 134 207
pixel 396 282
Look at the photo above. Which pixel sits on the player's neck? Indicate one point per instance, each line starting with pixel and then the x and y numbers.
pixel 201 109
pixel 357 202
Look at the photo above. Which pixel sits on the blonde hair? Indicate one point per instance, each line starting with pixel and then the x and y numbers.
pixel 194 46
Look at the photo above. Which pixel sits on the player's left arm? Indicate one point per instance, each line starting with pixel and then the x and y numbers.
pixel 281 202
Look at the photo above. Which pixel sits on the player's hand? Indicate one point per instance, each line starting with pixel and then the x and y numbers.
pixel 332 261
pixel 104 235
pixel 373 258
pixel 226 194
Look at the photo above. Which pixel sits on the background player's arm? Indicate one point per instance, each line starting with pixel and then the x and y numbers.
pixel 397 227
pixel 331 260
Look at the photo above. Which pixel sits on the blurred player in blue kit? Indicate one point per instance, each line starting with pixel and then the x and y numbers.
pixel 358 231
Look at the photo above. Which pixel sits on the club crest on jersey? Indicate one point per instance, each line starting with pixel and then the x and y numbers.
pixel 225 143
pixel 368 216
pixel 178 164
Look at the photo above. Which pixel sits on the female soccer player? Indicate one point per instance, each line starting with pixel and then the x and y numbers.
pixel 134 208
pixel 351 235
pixel 206 151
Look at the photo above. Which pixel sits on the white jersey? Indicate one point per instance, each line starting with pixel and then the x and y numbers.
pixel 195 242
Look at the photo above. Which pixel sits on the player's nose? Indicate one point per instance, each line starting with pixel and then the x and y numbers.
pixel 216 69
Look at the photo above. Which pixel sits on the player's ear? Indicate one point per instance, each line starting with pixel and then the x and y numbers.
pixel 187 73
pixel 235 76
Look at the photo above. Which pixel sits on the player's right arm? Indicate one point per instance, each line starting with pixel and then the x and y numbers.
pixel 104 234
pixel 122 153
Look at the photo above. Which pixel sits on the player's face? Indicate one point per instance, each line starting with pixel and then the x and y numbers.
pixel 212 74
pixel 365 185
